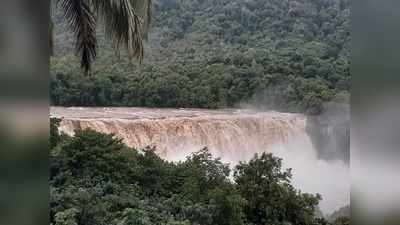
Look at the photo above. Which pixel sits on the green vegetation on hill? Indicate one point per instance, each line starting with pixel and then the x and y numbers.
pixel 289 55
pixel 95 179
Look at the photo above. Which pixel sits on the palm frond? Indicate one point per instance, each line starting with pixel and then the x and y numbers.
pixel 144 9
pixel 83 25
pixel 124 23
pixel 51 38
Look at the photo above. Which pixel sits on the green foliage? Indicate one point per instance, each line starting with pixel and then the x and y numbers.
pixel 55 137
pixel 288 55
pixel 342 221
pixel 203 174
pixel 228 206
pixel 95 179
pixel 91 155
pixel 135 217
pixel 67 217
pixel 270 196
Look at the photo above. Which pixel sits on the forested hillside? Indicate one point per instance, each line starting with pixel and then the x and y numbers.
pixel 291 55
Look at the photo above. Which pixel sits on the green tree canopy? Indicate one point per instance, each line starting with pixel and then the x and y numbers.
pixel 95 179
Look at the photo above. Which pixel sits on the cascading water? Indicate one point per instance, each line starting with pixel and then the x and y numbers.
pixel 233 135
pixel 229 134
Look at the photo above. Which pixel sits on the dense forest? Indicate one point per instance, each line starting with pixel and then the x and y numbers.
pixel 283 54
pixel 95 179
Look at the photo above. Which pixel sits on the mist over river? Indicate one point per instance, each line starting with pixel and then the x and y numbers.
pixel 232 134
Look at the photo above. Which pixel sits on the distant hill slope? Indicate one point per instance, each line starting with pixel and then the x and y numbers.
pixel 285 54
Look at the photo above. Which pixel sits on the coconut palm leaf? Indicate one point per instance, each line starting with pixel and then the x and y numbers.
pixel 83 25
pixel 126 23
pixel 144 9
pixel 51 37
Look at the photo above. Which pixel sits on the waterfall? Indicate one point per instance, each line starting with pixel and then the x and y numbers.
pixel 232 134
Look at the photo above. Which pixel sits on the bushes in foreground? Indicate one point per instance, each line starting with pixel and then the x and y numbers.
pixel 96 179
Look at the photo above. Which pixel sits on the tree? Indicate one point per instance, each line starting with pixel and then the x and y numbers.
pixel 227 205
pixel 91 154
pixel 271 199
pixel 203 174
pixel 54 138
pixel 126 22
pixel 67 217
pixel 135 217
